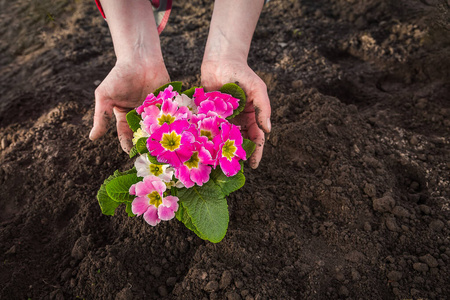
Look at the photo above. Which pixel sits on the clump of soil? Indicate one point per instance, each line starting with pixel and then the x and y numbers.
pixel 351 198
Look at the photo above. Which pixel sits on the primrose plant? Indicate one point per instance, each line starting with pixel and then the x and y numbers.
pixel 189 158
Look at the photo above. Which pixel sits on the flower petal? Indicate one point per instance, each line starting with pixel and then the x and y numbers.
pixel 140 205
pixel 236 135
pixel 200 175
pixel 142 166
pixel 142 188
pixel 132 190
pixel 159 186
pixel 183 174
pixel 171 201
pixel 151 216
pixel 240 152
pixel 230 168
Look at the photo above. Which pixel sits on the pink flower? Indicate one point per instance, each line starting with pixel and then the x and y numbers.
pixel 150 201
pixel 208 129
pixel 220 103
pixel 195 169
pixel 151 100
pixel 172 143
pixel 154 117
pixel 229 149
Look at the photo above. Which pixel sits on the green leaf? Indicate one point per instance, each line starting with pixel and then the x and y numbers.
pixel 227 184
pixel 107 204
pixel 133 120
pixel 248 147
pixel 133 152
pixel 234 90
pixel 183 216
pixel 118 188
pixel 208 210
pixel 141 145
pixel 177 85
pixel 153 159
pixel 128 209
pixel 190 92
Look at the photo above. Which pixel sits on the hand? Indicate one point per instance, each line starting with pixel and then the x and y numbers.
pixel 125 88
pixel 255 119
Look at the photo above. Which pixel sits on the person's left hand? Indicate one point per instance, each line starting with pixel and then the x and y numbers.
pixel 255 119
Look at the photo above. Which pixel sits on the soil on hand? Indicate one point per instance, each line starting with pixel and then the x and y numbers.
pixel 351 199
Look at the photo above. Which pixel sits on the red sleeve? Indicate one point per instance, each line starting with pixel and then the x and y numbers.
pixel 100 8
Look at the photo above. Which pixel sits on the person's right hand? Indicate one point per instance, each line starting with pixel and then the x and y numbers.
pixel 125 88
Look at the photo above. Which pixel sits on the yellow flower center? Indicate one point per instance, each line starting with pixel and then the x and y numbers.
pixel 171 141
pixel 193 161
pixel 156 169
pixel 229 149
pixel 206 133
pixel 166 119
pixel 155 199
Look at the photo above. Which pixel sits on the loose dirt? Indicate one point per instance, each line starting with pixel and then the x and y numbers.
pixel 351 199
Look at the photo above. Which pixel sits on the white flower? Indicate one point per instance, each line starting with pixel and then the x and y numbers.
pixel 184 100
pixel 145 167
pixel 139 134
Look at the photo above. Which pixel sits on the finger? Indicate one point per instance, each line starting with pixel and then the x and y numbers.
pixel 102 116
pixel 256 135
pixel 123 130
pixel 261 104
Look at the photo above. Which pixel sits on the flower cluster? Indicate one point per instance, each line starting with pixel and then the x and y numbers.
pixel 188 137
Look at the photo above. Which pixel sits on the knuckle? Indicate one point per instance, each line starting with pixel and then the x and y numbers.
pixel 98 93
pixel 260 84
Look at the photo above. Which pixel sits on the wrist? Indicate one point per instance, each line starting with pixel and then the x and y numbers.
pixel 139 55
pixel 232 25
pixel 133 29
pixel 220 49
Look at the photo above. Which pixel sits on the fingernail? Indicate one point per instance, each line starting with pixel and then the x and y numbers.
pixel 126 145
pixel 90 134
pixel 269 125
pixel 254 164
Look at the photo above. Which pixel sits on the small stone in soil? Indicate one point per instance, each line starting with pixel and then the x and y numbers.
pixel 421 267
pixel 171 281
pixel 425 209
pixel 211 286
pixel 355 275
pixel 391 224
pixel 4 143
pixel 437 225
pixel 343 291
pixel 394 276
pixel 124 294
pixel 162 290
pixel 370 190
pixel 155 271
pixel 414 140
pixel 429 260
pixel 80 248
pixel 226 279
pixel 383 204
pixel 399 211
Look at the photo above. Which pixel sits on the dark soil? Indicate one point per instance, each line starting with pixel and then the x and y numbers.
pixel 352 197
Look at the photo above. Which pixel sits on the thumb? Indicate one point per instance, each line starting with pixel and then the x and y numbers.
pixel 102 116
